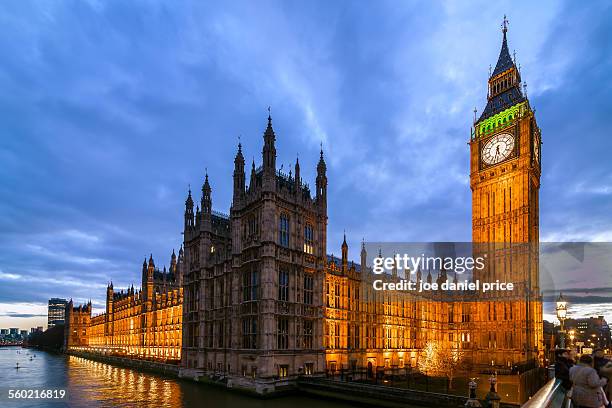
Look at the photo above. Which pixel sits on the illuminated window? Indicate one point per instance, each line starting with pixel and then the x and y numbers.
pixel 283 370
pixel 308 239
pixel 308 368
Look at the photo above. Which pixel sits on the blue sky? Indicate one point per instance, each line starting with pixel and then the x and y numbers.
pixel 110 109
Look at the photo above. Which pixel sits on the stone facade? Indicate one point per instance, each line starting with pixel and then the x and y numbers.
pixel 254 279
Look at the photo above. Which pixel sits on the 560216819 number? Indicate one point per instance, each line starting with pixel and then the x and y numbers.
pixel 37 394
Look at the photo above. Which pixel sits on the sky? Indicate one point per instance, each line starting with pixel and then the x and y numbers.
pixel 110 110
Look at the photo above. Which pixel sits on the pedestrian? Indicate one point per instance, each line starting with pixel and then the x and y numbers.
pixel 604 369
pixel 563 363
pixel 586 384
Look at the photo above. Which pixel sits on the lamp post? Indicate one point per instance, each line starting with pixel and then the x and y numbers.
pixel 493 399
pixel 562 315
pixel 472 401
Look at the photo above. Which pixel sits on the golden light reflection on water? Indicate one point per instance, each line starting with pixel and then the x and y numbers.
pixel 119 387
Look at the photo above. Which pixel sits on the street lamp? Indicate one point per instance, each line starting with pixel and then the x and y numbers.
pixel 561 315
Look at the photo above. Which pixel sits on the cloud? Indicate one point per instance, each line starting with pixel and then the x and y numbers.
pixel 110 110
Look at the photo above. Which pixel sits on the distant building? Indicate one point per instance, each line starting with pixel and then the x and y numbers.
pixel 589 332
pixel 14 331
pixel 4 332
pixel 56 313
pixel 142 323
pixel 23 333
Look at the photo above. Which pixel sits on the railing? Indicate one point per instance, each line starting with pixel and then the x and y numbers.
pixel 220 214
pixel 551 395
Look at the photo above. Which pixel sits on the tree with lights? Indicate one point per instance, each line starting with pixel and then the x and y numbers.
pixel 440 361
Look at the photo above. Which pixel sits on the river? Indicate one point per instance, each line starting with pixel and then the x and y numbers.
pixel 93 384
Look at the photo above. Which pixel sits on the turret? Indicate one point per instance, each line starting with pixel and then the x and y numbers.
pixel 322 181
pixel 109 299
pixel 364 255
pixel 173 263
pixel 149 282
pixel 188 211
pixel 145 269
pixel 252 182
pixel 179 267
pixel 297 175
pixel 269 150
pixel 344 254
pixel 206 198
pixel 239 176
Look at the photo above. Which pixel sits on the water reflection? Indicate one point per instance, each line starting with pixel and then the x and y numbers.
pixel 93 384
pixel 90 381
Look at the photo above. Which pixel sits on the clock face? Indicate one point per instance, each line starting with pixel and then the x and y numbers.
pixel 498 148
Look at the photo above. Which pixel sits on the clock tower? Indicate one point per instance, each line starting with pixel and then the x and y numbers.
pixel 505 181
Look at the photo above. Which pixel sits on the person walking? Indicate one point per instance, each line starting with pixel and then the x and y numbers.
pixel 586 384
pixel 563 363
pixel 604 369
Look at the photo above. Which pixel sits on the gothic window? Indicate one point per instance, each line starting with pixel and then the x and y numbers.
pixel 283 230
pixel 250 285
pixel 308 289
pixel 337 336
pixel 283 333
pixel 337 296
pixel 308 334
pixel 283 285
pixel 249 332
pixel 308 239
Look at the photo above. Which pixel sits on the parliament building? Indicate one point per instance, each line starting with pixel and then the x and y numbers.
pixel 255 299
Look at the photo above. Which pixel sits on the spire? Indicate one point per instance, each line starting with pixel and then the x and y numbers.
pixel 344 253
pixel 239 157
pixel 269 151
pixel 252 182
pixel 504 62
pixel 321 180
pixel 504 88
pixel 364 254
pixel 206 199
pixel 239 176
pixel 298 181
pixel 189 200
pixel 151 263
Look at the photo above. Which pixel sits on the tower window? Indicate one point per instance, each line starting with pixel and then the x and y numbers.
pixel 283 230
pixel 283 285
pixel 249 332
pixel 250 285
pixel 308 289
pixel 308 334
pixel 283 333
pixel 308 239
